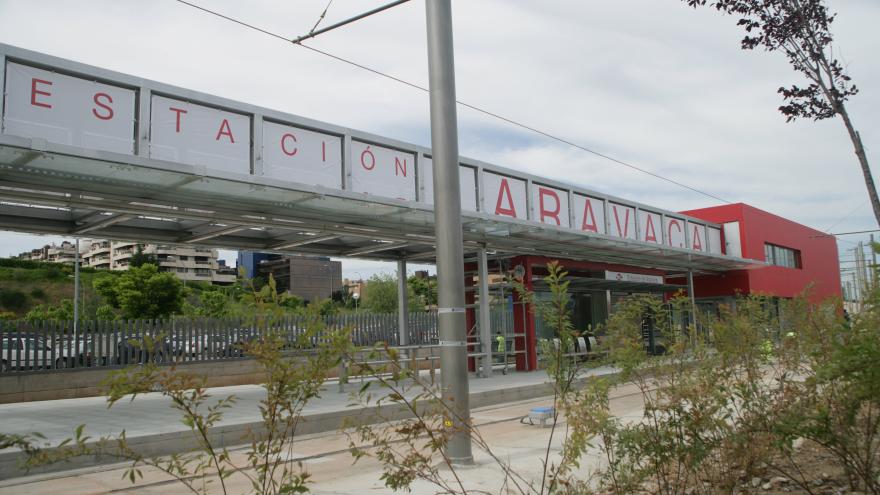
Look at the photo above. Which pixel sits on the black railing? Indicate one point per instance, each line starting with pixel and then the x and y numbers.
pixel 49 345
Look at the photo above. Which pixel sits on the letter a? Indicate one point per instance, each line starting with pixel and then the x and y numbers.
pixel 650 233
pixel 500 210
pixel 697 244
pixel 225 131
pixel 588 214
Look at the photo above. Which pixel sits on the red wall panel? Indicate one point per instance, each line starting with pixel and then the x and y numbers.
pixel 819 262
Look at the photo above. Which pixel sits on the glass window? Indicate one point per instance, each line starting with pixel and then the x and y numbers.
pixel 782 256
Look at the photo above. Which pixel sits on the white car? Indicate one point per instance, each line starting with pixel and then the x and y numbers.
pixel 24 352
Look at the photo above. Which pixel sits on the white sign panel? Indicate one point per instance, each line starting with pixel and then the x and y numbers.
pixel 300 155
pixel 714 240
pixel 732 242
pixel 467 183
pixel 550 205
pixel 622 221
pixel 633 277
pixel 589 214
pixel 383 171
pixel 698 237
pixel 68 110
pixel 504 196
pixel 74 110
pixel 674 228
pixel 189 133
pixel 650 227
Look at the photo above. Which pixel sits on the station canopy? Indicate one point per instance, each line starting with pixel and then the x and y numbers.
pixel 184 168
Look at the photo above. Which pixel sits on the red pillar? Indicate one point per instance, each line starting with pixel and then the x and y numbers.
pixel 524 323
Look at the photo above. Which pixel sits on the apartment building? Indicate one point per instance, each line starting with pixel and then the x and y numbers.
pixel 188 263
pixel 52 253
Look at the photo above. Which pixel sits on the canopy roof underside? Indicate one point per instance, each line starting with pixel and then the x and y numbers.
pixel 55 189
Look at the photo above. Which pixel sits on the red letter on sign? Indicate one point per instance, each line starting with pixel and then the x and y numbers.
pixel 650 233
pixel 588 215
pixel 499 210
pixel 625 231
pixel 398 168
pixel 227 132
pixel 697 244
pixel 554 214
pixel 179 111
pixel 283 147
pixel 35 92
pixel 673 223
pixel 105 106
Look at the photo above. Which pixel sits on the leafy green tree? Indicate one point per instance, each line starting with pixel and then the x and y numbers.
pixel 139 258
pixel 425 288
pixel 292 301
pixel 105 312
pixel 325 307
pixel 63 311
pixel 380 295
pixel 142 292
pixel 214 304
pixel 801 29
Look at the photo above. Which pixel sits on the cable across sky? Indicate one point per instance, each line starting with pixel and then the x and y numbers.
pixel 475 108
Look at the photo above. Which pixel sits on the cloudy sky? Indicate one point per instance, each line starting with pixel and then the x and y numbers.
pixel 651 82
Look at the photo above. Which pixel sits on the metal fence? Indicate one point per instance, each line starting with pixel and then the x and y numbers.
pixel 47 345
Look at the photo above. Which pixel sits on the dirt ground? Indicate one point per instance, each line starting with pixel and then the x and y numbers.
pixel 820 474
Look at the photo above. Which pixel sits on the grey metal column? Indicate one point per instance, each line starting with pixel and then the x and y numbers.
pixel 76 291
pixel 693 317
pixel 485 322
pixel 447 212
pixel 402 303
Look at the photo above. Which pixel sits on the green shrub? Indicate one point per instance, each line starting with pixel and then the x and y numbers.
pixel 42 312
pixel 38 293
pixel 12 298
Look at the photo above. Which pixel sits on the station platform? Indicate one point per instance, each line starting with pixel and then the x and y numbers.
pixel 153 427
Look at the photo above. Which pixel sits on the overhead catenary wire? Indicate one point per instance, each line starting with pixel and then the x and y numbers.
pixel 836 234
pixel 459 102
pixel 835 224
pixel 313 33
pixel 321 17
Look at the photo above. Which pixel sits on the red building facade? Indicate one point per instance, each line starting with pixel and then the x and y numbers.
pixel 789 259
pixel 807 258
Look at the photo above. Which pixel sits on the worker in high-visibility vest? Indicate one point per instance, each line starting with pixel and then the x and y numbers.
pixel 501 346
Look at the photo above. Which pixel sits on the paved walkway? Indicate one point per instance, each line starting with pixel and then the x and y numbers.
pixel 152 424
pixel 327 458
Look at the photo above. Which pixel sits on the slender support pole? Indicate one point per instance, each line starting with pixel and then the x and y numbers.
pixel 447 214
pixel 693 318
pixel 484 316
pixel 402 303
pixel 485 322
pixel 76 291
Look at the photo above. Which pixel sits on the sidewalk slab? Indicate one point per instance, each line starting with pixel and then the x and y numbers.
pixel 153 428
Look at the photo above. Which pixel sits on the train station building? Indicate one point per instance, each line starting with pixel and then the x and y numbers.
pixel 89 152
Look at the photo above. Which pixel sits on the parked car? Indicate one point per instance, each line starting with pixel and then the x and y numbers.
pixel 134 350
pixel 207 345
pixel 24 352
pixel 70 352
